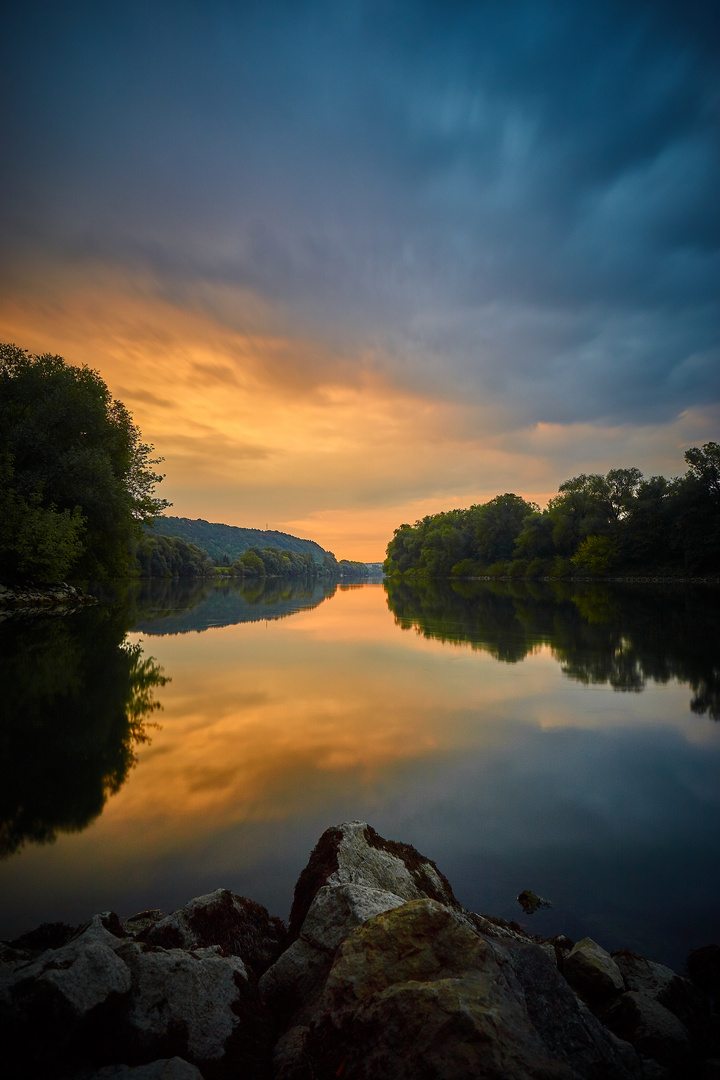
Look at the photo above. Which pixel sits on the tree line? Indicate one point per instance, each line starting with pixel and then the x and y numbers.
pixel 77 491
pixel 160 556
pixel 617 524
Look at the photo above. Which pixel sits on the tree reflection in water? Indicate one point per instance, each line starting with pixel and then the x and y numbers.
pixel 622 635
pixel 76 701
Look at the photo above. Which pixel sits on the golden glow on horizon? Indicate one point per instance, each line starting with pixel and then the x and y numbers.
pixel 264 427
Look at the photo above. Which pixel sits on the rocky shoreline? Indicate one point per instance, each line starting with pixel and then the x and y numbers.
pixel 380 974
pixel 36 600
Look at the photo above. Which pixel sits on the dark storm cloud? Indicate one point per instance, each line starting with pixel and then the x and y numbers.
pixel 506 199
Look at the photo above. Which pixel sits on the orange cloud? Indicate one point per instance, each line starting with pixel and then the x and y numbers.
pixel 259 424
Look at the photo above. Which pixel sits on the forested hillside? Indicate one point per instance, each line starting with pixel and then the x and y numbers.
pixel 620 523
pixel 231 540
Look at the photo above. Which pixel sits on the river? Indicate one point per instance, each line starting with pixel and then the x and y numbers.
pixel 558 738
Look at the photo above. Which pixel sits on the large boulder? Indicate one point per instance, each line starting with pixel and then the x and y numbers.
pixel 240 927
pixel 681 996
pixel 294 983
pixel 593 973
pixel 653 1030
pixel 416 991
pixel 196 1004
pixel 355 854
pixel 53 1003
pixel 353 874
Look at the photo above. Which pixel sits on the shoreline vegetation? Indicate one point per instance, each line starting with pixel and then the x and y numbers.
pixel 78 503
pixel 620 526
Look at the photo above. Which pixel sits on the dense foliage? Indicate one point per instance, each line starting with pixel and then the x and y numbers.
pixel 76 480
pixel 231 541
pixel 170 557
pixel 620 523
pixel 165 556
pixel 275 562
pixel 350 569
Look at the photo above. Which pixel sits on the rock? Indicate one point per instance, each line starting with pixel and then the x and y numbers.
pixel 138 925
pixel 653 1030
pixel 198 1005
pixel 383 975
pixel 51 1004
pixel 665 986
pixel 294 983
pixel 530 902
pixel 643 975
pixel 416 992
pixel 239 926
pixel 593 973
pixel 45 936
pixel 354 854
pixel 352 875
pixel 105 997
pixel 163 1069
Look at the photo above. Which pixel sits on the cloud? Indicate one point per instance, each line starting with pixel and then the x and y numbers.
pixel 136 394
pixel 492 219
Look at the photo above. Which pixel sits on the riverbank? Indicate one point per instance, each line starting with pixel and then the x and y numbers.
pixel 31 599
pixel 639 579
pixel 380 973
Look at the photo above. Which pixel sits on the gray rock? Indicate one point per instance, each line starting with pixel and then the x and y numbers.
pixel 49 1004
pixel 196 1004
pixel 294 983
pixel 138 925
pixel 105 996
pixel 661 983
pixel 643 975
pixel 240 927
pixel 416 992
pixel 653 1030
pixel 354 854
pixel 183 997
pixel 593 973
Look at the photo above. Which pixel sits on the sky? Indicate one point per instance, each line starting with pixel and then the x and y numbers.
pixel 349 263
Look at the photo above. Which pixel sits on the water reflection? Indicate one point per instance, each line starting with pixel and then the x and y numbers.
pixel 180 607
pixel 76 702
pixel 510 775
pixel 622 636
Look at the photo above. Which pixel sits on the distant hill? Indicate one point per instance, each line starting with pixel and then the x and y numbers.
pixel 232 540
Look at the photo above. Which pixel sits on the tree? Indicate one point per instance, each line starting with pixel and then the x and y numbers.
pixel 535 540
pixel 696 509
pixel 596 555
pixel 75 473
pixel 705 466
pixel 500 525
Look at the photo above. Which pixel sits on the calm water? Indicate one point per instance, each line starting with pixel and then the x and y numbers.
pixel 563 740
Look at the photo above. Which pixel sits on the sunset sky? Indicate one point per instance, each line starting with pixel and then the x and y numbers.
pixel 351 262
